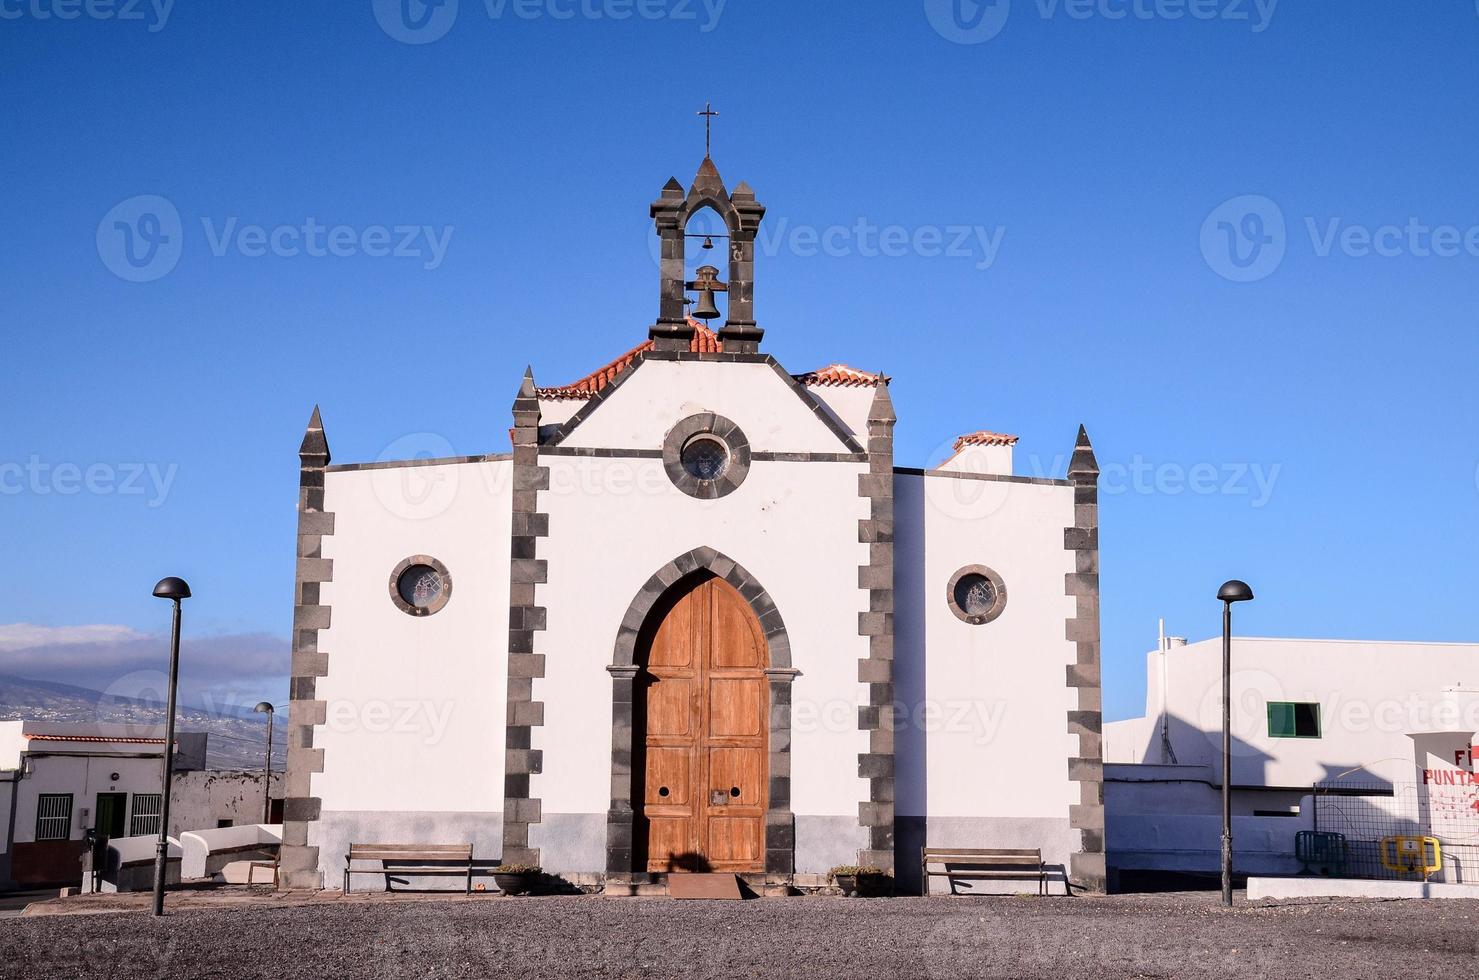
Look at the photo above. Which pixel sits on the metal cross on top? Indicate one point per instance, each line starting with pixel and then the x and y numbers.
pixel 708 114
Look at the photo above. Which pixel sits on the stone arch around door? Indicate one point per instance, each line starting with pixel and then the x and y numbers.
pixel 621 821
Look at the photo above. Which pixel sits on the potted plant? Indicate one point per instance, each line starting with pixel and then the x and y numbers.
pixel 515 879
pixel 853 879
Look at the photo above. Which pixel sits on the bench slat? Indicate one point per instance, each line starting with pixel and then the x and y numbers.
pixel 982 862
pixel 1020 851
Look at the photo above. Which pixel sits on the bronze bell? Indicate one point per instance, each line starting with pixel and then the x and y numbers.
pixel 708 283
pixel 706 309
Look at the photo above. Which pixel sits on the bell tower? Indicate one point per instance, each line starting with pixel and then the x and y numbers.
pixel 741 214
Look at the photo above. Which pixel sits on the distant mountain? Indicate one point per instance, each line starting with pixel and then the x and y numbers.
pixel 238 737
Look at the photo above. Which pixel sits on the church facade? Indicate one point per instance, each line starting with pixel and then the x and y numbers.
pixel 698 617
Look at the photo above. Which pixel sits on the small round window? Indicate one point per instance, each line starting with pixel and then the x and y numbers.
pixel 420 586
pixel 705 458
pixel 976 595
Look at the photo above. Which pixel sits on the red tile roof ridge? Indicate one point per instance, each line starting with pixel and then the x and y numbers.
pixel 985 438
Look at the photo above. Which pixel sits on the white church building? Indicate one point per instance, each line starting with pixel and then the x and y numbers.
pixel 697 618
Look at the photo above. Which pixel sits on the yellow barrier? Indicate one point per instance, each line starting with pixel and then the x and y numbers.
pixel 1412 855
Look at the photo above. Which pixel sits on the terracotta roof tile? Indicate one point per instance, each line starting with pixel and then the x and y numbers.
pixel 93 738
pixel 705 341
pixel 841 376
pixel 984 438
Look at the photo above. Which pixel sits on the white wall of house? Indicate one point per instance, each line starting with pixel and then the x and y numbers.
pixel 1371 697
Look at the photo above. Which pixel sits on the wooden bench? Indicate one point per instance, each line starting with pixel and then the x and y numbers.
pixel 410 859
pixel 983 864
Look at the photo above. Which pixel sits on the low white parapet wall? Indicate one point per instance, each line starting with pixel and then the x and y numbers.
pixel 1277 889
pixel 1193 842
pixel 129 865
pixel 207 852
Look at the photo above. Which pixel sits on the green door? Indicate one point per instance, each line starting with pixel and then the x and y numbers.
pixel 112 813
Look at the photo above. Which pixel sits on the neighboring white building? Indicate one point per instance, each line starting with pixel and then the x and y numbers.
pixel 697 617
pixel 1312 719
pixel 60 781
pixel 67 779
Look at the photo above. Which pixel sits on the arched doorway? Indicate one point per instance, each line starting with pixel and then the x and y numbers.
pixel 701 708
pixel 627 857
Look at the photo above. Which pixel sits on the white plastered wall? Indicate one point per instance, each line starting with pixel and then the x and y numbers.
pixel 415 705
pixel 615 522
pixel 995 700
pixel 659 394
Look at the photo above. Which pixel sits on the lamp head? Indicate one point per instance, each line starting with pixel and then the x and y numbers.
pixel 264 708
pixel 172 588
pixel 1235 591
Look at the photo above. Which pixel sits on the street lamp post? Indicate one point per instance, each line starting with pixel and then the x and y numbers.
pixel 265 707
pixel 1231 592
pixel 173 589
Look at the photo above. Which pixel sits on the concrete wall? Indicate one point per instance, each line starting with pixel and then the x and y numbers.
pixel 1371 695
pixel 201 800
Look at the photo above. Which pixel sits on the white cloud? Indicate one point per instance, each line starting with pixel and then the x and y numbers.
pixel 118 660
pixel 21 636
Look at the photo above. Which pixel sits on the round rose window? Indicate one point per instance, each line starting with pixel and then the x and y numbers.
pixel 976 595
pixel 705 458
pixel 420 586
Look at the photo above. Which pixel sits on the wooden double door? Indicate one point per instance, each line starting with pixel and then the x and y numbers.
pixel 706 743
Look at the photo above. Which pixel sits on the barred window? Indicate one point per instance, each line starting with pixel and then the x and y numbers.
pixel 145 822
pixel 54 816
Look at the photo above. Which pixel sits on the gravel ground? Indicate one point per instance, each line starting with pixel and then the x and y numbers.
pixel 832 938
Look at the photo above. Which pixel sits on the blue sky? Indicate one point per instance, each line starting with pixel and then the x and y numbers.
pixel 1310 430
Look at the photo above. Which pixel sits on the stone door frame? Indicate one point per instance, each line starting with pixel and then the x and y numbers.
pixel 621 819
